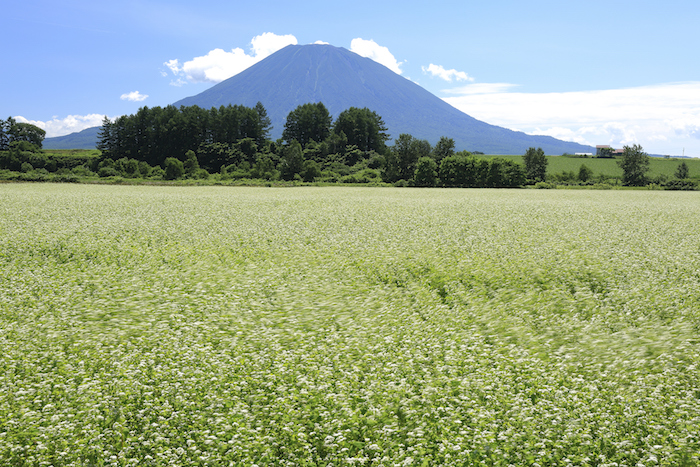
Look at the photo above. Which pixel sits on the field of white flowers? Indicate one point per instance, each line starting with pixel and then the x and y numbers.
pixel 348 326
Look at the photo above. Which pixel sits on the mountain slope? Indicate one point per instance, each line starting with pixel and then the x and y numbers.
pixel 299 74
pixel 86 139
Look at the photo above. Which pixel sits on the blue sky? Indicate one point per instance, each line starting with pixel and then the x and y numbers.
pixel 596 72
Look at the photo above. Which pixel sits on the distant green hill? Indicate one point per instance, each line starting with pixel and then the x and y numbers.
pixel 86 139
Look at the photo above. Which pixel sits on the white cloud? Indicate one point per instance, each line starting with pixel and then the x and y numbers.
pixel 134 96
pixel 321 43
pixel 218 65
pixel 481 88
pixel 447 75
pixel 67 125
pixel 663 118
pixel 174 66
pixel 376 52
pixel 268 43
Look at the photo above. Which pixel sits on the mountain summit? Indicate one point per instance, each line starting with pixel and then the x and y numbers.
pixel 299 74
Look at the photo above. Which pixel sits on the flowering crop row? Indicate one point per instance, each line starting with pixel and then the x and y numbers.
pixel 348 326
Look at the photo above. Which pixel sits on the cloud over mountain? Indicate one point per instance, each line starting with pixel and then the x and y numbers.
pixel 376 52
pixel 218 64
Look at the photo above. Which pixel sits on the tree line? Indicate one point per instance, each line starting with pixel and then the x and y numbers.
pixel 18 134
pixel 154 134
pixel 234 142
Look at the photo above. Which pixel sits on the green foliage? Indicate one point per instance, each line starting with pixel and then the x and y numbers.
pixel 467 171
pixel 152 134
pixel 306 123
pixel 584 173
pixel 681 184
pixel 426 172
pixel 264 168
pixel 535 165
pixel 174 168
pixel 5 134
pixel 367 175
pixel 264 124
pixel 682 172
pixel 12 131
pixel 363 129
pixel 191 164
pixel 310 171
pixel 605 153
pixel 634 164
pixel 21 152
pixel 444 148
pixel 292 161
pixel 403 156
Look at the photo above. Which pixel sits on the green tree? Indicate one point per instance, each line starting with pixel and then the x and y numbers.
pixel 426 172
pixel 214 156
pixel 363 128
pixel 308 122
pixel 264 122
pixel 605 153
pixel 264 168
pixel 584 173
pixel 106 138
pixel 130 168
pixel 463 170
pixel 635 164
pixel 174 168
pixel 310 171
pixel 404 155
pixel 444 148
pixel 535 165
pixel 513 175
pixel 682 171
pixel 12 131
pixel 5 134
pixel 292 161
pixel 191 164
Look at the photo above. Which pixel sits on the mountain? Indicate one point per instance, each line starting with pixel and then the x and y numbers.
pixel 299 74
pixel 86 139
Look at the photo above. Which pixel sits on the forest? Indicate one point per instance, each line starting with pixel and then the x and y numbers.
pixel 232 143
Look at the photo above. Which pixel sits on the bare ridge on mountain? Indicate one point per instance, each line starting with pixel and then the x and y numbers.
pixel 299 74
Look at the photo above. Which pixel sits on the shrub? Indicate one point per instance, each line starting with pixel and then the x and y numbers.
pixel 426 172
pixel 174 168
pixel 107 172
pixel 544 186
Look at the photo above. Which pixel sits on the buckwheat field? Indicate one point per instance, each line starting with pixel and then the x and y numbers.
pixel 217 326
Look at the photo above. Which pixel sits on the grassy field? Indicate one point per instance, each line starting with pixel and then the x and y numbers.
pixel 609 167
pixel 220 326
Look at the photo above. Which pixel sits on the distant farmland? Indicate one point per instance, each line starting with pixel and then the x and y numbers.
pixel 609 167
